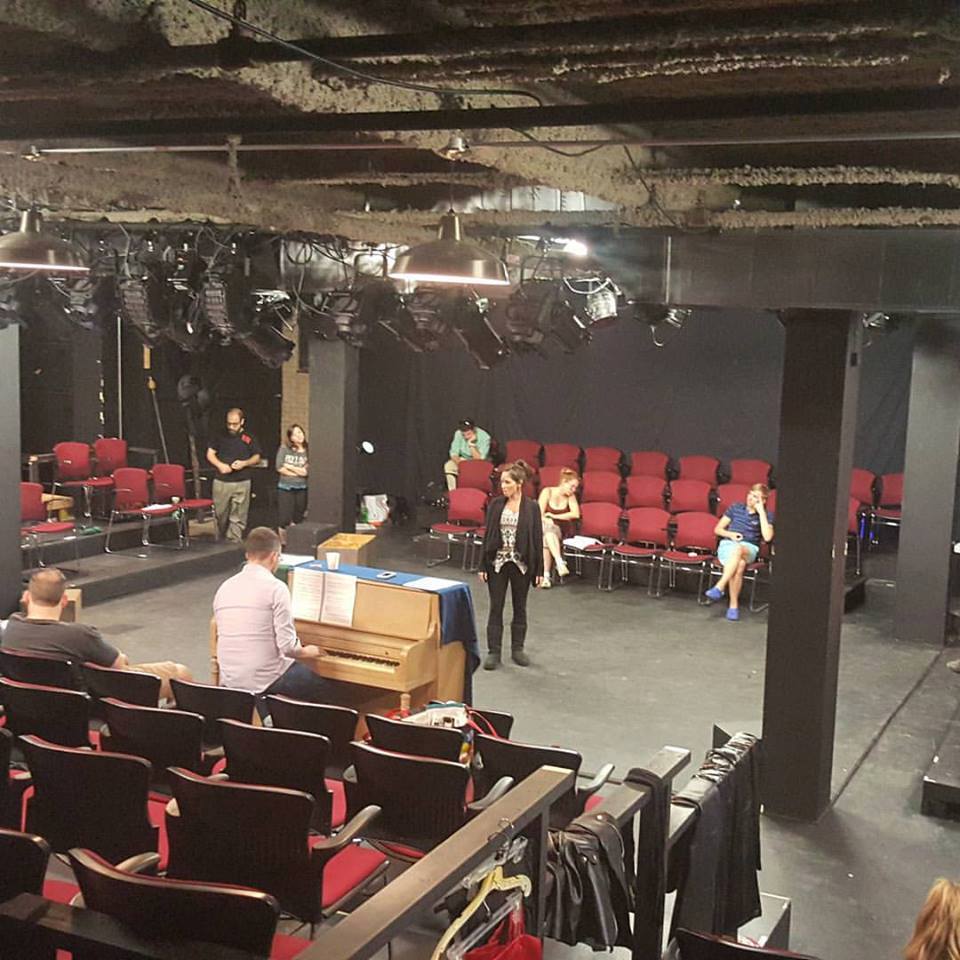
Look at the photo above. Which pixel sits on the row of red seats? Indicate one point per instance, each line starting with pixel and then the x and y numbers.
pixel 649 463
pixel 468 504
pixel 100 797
pixel 133 499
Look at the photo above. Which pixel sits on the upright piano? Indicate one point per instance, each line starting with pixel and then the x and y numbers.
pixel 393 648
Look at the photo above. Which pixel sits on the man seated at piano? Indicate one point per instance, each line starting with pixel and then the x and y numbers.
pixel 257 644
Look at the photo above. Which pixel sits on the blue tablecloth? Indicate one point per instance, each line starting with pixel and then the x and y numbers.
pixel 457 621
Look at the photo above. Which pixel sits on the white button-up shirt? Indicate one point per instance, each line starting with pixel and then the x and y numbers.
pixel 256 638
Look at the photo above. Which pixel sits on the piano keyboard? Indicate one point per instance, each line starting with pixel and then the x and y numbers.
pixel 364 660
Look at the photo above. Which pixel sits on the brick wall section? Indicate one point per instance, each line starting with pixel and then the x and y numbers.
pixel 295 402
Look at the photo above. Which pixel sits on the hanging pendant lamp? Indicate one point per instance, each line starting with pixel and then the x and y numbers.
pixel 29 249
pixel 450 259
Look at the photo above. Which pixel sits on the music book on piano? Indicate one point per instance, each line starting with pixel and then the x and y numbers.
pixel 323 596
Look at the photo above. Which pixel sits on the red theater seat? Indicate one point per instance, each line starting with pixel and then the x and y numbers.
pixel 649 463
pixel 699 468
pixel 561 455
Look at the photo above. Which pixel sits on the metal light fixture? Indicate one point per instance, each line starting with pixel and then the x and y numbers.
pixel 31 249
pixel 450 259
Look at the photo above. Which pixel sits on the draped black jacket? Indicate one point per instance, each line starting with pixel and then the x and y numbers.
pixel 529 536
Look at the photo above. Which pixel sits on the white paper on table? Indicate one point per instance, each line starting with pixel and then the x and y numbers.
pixel 432 583
pixel 295 559
pixel 580 543
pixel 307 594
pixel 339 597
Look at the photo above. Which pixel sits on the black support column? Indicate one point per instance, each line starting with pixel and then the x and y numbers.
pixel 334 420
pixel 9 470
pixel 817 427
pixel 930 484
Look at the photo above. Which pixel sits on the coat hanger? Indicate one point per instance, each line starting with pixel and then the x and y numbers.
pixel 494 880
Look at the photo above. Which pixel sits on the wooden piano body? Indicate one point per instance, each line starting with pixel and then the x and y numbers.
pixel 393 648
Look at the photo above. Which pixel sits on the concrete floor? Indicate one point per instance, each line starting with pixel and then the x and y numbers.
pixel 617 676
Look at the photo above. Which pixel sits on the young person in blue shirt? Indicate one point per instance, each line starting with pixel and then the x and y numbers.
pixel 740 530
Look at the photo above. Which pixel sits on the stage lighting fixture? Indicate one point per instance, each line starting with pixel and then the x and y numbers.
pixel 428 309
pixel 450 260
pixel 143 305
pixel 402 325
pixel 227 303
pixel 11 306
pixel 356 311
pixel 30 249
pixel 527 313
pixel 575 248
pixel 566 327
pixel 188 327
pixel 343 308
pixel 875 321
pixel 269 345
pixel 468 317
pixel 658 317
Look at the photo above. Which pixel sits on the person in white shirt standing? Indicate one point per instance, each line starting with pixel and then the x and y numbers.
pixel 257 644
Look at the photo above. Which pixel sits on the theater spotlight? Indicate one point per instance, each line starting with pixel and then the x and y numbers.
pixel 527 311
pixel 430 319
pixel 343 308
pixel 566 327
pixel 659 318
pixel 875 321
pixel 357 311
pixel 11 306
pixel 269 345
pixel 188 324
pixel 227 303
pixel 143 304
pixel 468 317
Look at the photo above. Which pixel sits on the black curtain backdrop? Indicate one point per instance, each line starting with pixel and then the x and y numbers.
pixel 713 389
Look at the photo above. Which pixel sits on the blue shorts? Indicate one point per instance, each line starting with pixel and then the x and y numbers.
pixel 728 548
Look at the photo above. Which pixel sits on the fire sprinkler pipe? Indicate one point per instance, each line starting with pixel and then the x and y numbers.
pixel 648 142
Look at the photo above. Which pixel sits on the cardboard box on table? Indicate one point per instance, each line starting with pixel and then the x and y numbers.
pixel 357 549
pixel 389 622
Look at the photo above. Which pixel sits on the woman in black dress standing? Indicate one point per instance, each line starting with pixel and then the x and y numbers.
pixel 512 554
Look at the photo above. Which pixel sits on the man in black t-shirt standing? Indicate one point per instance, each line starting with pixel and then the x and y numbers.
pixel 233 454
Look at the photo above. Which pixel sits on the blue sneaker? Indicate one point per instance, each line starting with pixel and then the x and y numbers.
pixel 714 594
pixel 733 613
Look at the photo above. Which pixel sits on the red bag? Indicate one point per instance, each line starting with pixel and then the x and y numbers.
pixel 509 941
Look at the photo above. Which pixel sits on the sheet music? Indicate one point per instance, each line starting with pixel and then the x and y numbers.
pixel 307 593
pixel 432 583
pixel 339 597
pixel 579 543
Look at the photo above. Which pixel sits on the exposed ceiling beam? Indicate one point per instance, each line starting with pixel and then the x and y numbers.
pixel 652 28
pixel 642 111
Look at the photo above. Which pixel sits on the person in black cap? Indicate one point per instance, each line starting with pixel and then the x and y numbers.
pixel 470 442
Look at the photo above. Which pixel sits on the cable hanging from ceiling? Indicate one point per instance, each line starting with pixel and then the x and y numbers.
pixel 359 74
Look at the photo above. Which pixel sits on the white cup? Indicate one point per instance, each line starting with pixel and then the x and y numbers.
pixel 333 561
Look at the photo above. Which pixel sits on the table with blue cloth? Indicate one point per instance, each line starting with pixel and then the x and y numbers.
pixel 457 620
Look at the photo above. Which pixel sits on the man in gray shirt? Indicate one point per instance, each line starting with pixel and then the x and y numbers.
pixel 41 630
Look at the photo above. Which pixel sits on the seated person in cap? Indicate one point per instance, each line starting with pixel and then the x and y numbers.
pixel 41 630
pixel 257 644
pixel 470 442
